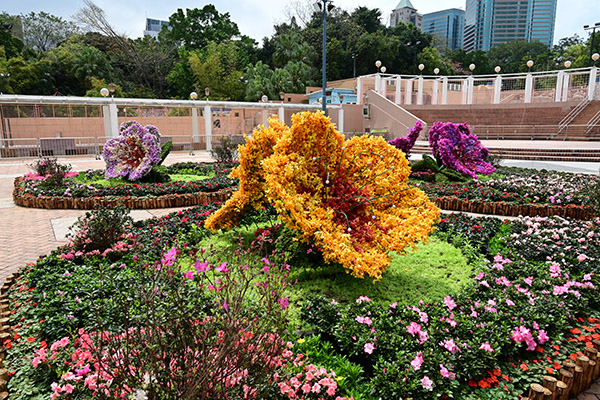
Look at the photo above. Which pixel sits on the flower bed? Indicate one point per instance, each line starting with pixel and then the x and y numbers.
pixel 515 322
pixel 74 195
pixel 519 191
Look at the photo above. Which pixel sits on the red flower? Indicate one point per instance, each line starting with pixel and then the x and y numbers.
pixel 573 356
pixel 550 370
pixel 524 367
pixel 505 377
pixel 30 339
pixel 472 383
pixel 575 331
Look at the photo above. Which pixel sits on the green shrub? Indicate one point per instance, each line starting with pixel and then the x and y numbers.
pixel 99 229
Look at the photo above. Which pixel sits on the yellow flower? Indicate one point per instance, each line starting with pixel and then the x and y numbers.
pixel 251 192
pixel 351 198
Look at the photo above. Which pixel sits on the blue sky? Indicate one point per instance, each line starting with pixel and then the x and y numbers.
pixel 256 18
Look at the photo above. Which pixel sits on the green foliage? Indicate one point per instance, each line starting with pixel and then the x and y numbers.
pixel 99 229
pixel 218 67
pixel 165 150
pixel 195 28
pixel 226 149
pixel 90 62
pixel 43 31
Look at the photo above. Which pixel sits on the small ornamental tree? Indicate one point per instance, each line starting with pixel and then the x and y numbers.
pixel 133 153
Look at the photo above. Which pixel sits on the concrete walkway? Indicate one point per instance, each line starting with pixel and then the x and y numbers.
pixel 28 233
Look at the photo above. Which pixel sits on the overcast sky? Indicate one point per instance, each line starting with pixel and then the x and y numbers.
pixel 256 18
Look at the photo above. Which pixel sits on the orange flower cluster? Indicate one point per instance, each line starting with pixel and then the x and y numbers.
pixel 251 192
pixel 351 198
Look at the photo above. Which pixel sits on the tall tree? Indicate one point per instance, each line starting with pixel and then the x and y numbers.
pixel 217 67
pixel 194 28
pixel 43 31
pixel 146 61
pixel 90 62
pixel 367 18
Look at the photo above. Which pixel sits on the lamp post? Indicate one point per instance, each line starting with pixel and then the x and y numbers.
pixel 529 65
pixel 595 57
pixel 472 68
pixel 593 29
pixel 111 89
pixel 354 62
pixel 418 42
pixel 104 92
pixel 193 95
pixel 436 71
pixel 498 69
pixel 567 64
pixel 207 92
pixel 324 6
pixel 4 78
pixel 421 68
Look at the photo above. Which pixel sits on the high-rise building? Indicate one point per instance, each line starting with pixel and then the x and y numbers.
pixel 448 26
pixel 492 22
pixel 153 27
pixel 406 13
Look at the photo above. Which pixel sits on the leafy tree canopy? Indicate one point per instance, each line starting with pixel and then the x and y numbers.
pixel 194 28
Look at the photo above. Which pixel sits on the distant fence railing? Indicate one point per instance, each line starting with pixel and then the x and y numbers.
pixel 64 147
pixel 532 87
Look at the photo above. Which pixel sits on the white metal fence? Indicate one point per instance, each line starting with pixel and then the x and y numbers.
pixel 533 87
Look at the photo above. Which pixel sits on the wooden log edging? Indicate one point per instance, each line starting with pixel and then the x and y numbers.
pixel 512 210
pixel 5 332
pixel 572 379
pixel 89 203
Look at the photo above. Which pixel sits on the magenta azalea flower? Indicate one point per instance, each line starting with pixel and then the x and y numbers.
pixel 406 143
pixel 458 149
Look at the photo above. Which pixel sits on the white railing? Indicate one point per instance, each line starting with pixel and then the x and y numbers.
pixel 570 117
pixel 532 87
pixel 43 117
pixel 593 123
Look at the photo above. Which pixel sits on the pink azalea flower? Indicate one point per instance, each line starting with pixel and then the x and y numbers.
pixel 369 347
pixel 417 361
pixel 427 383
pixel 486 347
pixel 448 302
pixel 582 257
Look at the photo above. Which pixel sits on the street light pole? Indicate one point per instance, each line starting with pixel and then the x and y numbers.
pixel 593 28
pixel 324 8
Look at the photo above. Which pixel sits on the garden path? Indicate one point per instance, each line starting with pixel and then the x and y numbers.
pixel 28 233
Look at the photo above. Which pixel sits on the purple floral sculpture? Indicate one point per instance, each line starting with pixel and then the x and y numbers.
pixel 458 149
pixel 133 153
pixel 406 143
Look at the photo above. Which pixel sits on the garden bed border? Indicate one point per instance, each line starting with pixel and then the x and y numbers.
pixel 89 203
pixel 512 210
